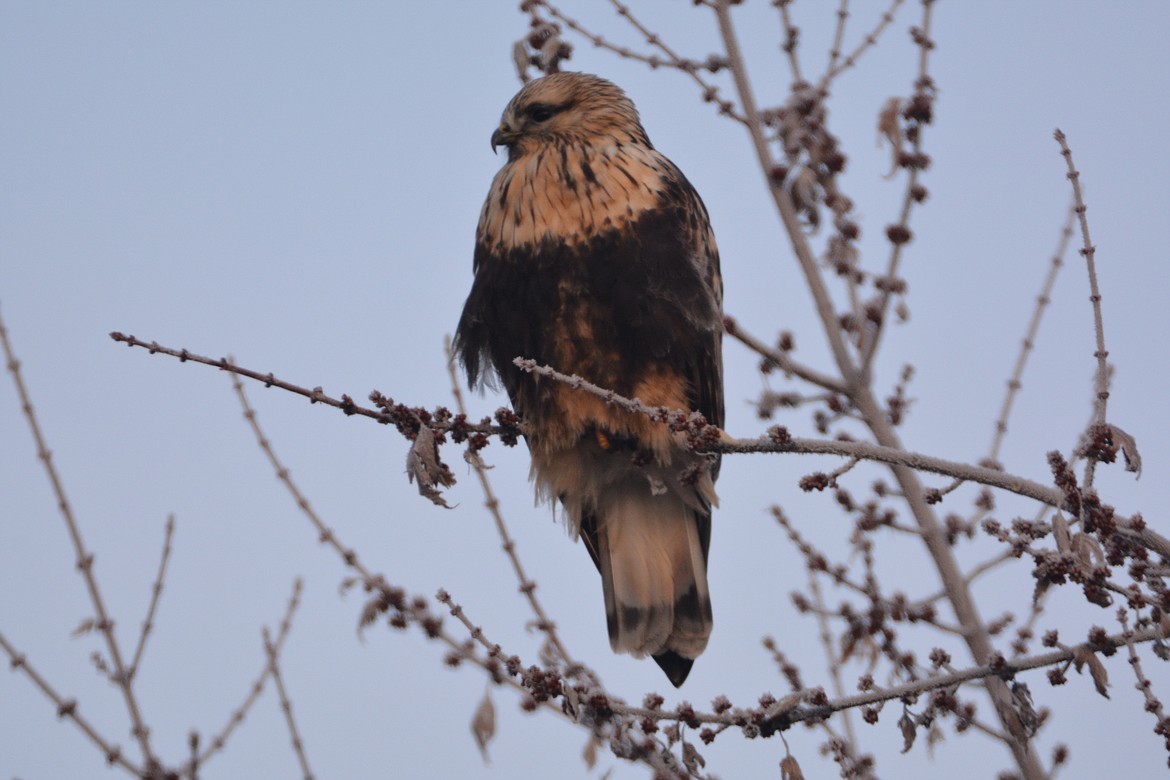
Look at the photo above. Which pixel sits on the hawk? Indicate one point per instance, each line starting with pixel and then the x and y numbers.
pixel 595 255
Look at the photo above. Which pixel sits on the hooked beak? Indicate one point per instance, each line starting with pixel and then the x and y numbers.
pixel 503 136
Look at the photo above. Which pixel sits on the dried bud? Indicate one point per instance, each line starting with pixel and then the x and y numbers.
pixel 898 234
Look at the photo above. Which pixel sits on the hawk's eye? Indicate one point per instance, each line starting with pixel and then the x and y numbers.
pixel 540 112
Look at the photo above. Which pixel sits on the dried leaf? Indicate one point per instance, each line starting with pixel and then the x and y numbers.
pixel 933 737
pixel 1060 532
pixel 790 769
pixel 423 464
pixel 1129 451
pixel 1042 587
pixel 87 625
pixel 370 611
pixel 548 653
pixel 909 731
pixel 848 642
pixel 471 457
pixel 99 663
pixel 552 51
pixel 891 131
pixel 1088 550
pixel 1083 656
pixel 805 195
pixel 520 59
pixel 692 759
pixel 483 724
pixel 590 754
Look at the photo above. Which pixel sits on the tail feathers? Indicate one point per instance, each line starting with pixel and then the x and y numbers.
pixel 654 575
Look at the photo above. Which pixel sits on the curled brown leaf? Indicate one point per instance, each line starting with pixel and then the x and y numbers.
pixel 483 724
pixel 424 466
pixel 909 731
pixel 891 131
pixel 1082 657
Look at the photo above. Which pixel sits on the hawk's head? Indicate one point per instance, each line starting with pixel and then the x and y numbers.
pixel 567 108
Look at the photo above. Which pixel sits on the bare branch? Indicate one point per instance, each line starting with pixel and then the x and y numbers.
pixel 781 197
pixel 838 66
pixel 316 395
pixel 997 670
pixel 919 112
pixel 1089 252
pixel 838 35
pixel 1029 341
pixel 527 586
pixel 777 441
pixel 671 59
pixel 791 40
pixel 1143 683
pixel 67 708
pixel 782 359
pixel 121 674
pixel 286 705
pixel 155 593
pixel 219 741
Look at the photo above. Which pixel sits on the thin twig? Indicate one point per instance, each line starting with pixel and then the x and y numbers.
pixel 837 574
pixel 527 586
pixel 193 761
pixel 219 741
pixel 962 601
pixel 67 708
pixel 710 92
pixel 286 704
pixel 838 35
pixel 1089 252
pixel 791 41
pixel 782 359
pixel 1029 341
pixel 836 68
pixel 372 582
pixel 1143 684
pixel 784 206
pixel 155 592
pixel 121 676
pixel 316 395
pixel 570 707
pixel 831 659
pixel 923 87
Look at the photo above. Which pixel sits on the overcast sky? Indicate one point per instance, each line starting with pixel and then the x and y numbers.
pixel 297 185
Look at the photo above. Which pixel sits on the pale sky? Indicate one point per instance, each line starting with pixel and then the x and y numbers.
pixel 297 185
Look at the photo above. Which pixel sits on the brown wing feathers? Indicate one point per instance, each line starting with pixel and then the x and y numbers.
pixel 594 254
